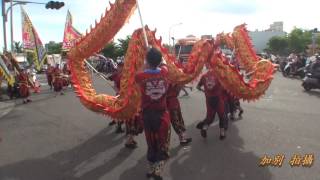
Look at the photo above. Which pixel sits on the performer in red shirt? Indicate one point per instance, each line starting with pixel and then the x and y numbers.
pixel 133 128
pixel 175 113
pixel 215 98
pixel 180 64
pixel 49 74
pixel 66 75
pixel 116 78
pixel 156 119
pixel 233 102
pixel 57 80
pixel 24 86
pixel 234 105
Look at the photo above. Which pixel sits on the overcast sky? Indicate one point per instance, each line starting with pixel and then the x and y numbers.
pixel 197 17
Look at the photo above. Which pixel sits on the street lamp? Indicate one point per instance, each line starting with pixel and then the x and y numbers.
pixel 314 33
pixel 172 26
pixel 173 40
pixel 52 5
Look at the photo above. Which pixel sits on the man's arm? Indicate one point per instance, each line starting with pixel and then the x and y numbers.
pixel 200 84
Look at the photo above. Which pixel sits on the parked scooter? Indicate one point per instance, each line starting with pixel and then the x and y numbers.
pixel 310 82
pixel 288 70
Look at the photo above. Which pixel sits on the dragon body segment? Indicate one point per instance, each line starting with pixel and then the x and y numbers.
pixel 127 103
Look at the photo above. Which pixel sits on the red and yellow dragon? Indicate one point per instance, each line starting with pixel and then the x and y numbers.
pixel 204 53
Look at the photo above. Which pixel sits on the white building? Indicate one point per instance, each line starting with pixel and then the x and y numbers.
pixel 21 57
pixel 260 39
pixel 276 26
pixel 54 59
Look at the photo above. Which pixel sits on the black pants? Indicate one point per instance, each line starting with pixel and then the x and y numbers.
pixel 216 104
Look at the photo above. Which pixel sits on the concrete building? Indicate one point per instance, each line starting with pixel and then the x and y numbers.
pixel 276 26
pixel 206 37
pixel 260 39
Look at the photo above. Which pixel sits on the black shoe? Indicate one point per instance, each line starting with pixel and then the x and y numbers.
pixel 222 137
pixel 203 133
pixel 186 142
pixel 131 145
pixel 149 175
pixel 119 130
pixel 240 114
pixel 156 177
pixel 134 142
pixel 200 125
pixel 152 175
pixel 112 123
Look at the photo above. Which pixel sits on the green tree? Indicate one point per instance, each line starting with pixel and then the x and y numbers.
pixel 18 47
pixel 53 48
pixel 30 58
pixel 123 45
pixel 278 45
pixel 111 50
pixel 298 40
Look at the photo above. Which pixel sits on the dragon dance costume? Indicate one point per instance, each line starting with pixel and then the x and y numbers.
pixel 175 113
pixel 215 102
pixel 24 87
pixel 66 73
pixel 134 125
pixel 156 119
pixel 116 78
pixel 49 74
pixel 57 80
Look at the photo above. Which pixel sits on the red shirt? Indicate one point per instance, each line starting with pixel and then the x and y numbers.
pixel 172 96
pixel 57 71
pixel 153 86
pixel 66 69
pixel 116 77
pixel 50 70
pixel 212 87
pixel 23 78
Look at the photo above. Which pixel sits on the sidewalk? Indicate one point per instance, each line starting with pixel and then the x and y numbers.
pixel 6 105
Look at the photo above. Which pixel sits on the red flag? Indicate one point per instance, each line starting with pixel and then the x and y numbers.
pixel 31 40
pixel 27 32
pixel 70 34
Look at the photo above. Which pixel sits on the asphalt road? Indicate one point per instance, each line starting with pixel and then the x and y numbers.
pixel 56 138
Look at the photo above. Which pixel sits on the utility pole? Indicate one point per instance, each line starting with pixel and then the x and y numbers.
pixel 4 25
pixel 49 5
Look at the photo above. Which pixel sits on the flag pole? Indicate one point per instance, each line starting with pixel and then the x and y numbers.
pixel 143 27
pixel 100 74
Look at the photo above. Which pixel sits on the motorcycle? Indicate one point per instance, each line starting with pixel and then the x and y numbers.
pixel 288 71
pixel 310 82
